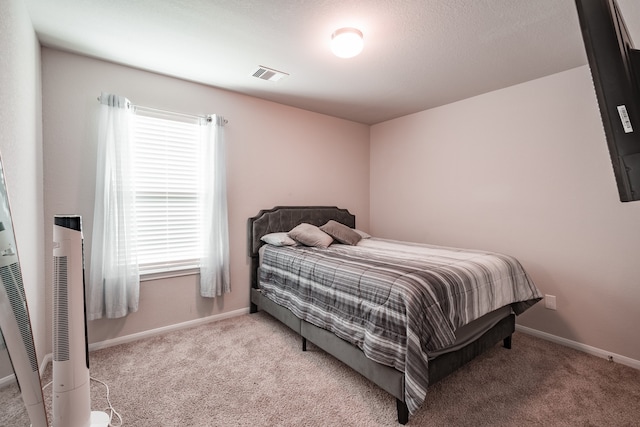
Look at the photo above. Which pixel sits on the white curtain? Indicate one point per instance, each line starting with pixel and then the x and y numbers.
pixel 214 265
pixel 114 284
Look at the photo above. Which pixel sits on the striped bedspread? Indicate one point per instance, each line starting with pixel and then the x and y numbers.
pixel 396 301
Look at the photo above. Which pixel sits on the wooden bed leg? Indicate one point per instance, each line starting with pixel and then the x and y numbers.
pixel 403 412
pixel 253 308
pixel 304 344
pixel 507 342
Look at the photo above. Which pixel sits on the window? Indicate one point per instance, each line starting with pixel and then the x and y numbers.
pixel 158 175
pixel 167 187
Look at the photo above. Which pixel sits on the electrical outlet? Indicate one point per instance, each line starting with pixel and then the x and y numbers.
pixel 550 302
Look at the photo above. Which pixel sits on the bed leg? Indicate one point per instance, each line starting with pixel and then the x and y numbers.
pixel 253 308
pixel 403 412
pixel 304 344
pixel 507 342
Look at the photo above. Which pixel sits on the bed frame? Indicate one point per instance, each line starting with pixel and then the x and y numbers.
pixel 284 218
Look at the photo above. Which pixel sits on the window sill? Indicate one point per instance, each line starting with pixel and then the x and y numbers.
pixel 146 277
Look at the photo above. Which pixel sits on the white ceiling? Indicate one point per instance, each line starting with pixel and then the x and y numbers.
pixel 418 53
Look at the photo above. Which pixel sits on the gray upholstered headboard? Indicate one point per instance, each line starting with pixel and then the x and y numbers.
pixel 284 218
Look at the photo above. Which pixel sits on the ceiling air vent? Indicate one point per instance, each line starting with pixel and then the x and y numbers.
pixel 270 74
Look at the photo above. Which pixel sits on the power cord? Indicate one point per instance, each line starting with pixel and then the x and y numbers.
pixel 111 409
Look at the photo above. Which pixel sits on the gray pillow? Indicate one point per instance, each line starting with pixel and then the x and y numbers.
pixel 341 232
pixel 310 235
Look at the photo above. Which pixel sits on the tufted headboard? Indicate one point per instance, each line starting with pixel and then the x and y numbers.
pixel 284 218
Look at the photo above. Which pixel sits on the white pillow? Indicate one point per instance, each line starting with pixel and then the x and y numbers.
pixel 278 239
pixel 362 234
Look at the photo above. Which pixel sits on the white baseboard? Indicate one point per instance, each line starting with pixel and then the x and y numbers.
pixel 152 332
pixel 544 335
pixel 197 322
pixel 581 347
pixel 9 379
pixel 48 358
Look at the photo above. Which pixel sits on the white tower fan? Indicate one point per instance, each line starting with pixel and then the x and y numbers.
pixel 71 381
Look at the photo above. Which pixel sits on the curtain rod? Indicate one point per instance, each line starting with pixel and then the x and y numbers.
pixel 157 110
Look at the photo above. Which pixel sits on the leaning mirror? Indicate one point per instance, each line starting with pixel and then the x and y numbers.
pixel 18 361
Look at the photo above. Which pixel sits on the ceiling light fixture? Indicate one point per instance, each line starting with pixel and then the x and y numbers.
pixel 347 42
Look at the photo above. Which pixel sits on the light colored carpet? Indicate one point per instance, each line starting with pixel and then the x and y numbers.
pixel 250 371
pixel 12 411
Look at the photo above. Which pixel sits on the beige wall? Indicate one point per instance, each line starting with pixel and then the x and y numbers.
pixel 524 170
pixel 277 155
pixel 21 150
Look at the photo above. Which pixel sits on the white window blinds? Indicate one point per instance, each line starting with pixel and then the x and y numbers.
pixel 167 191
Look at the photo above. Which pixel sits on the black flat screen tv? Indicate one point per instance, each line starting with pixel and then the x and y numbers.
pixel 615 66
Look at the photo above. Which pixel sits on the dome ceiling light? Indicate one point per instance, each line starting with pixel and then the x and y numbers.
pixel 347 42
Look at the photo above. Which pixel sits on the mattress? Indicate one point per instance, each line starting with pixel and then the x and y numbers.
pixel 464 334
pixel 400 303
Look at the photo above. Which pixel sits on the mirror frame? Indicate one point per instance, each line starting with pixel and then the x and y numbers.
pixel 15 322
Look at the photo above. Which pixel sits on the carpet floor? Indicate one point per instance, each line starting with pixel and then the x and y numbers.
pixel 250 371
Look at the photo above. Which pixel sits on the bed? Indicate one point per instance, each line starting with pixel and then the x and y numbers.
pixel 372 325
